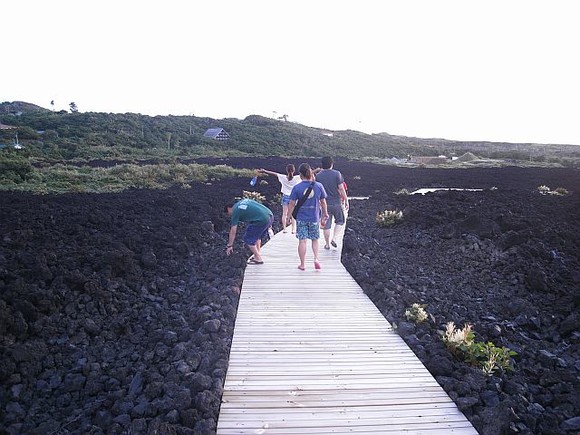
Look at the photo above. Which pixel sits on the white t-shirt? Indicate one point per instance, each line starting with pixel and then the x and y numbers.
pixel 287 185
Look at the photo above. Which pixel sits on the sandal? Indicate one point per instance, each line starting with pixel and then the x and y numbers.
pixel 317 265
pixel 301 267
pixel 252 260
pixel 333 243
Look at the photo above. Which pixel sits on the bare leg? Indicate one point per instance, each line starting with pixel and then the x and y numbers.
pixel 302 253
pixel 256 250
pixel 293 225
pixel 315 253
pixel 284 218
pixel 338 229
pixel 315 248
pixel 326 239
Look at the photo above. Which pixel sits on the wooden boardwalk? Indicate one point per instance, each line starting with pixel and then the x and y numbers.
pixel 311 354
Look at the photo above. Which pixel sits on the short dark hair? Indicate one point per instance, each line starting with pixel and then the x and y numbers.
pixel 228 205
pixel 327 162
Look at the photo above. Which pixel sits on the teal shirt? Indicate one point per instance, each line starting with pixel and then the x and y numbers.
pixel 248 210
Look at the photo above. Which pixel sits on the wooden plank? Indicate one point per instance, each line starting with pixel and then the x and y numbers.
pixel 312 354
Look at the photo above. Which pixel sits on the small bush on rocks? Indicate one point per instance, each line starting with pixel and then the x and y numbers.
pixel 559 191
pixel 543 189
pixel 416 313
pixel 256 196
pixel 486 356
pixel 388 218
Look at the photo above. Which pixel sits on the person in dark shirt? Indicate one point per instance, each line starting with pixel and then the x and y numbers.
pixel 337 200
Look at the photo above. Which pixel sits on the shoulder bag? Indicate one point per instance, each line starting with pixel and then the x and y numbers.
pixel 301 200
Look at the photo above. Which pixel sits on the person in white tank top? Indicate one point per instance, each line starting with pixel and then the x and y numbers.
pixel 287 182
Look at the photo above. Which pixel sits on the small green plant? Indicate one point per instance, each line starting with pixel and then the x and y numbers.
pixel 256 196
pixel 487 356
pixel 388 218
pixel 543 189
pixel 559 191
pixel 416 313
pixel 402 191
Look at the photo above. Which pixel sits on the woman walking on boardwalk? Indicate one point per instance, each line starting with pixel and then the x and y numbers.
pixel 287 182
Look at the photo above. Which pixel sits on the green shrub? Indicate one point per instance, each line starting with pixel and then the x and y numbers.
pixel 543 189
pixel 559 191
pixel 256 196
pixel 388 218
pixel 416 313
pixel 487 356
pixel 14 169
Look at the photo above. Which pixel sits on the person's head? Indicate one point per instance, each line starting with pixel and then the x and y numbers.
pixel 228 208
pixel 290 169
pixel 305 171
pixel 327 162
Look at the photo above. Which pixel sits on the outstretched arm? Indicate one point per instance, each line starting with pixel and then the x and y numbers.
pixel 265 171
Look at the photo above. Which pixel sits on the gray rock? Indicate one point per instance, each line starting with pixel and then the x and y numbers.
pixel 136 386
pixel 571 425
pixel 91 327
pixel 570 323
pixel 212 325
pixel 173 416
pixel 405 328
pixel 199 381
pixel 123 419
pixel 149 260
pixel 489 398
pixel 440 366
pixel 74 382
pixel 464 403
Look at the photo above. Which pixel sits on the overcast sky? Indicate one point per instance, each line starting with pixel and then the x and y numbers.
pixel 506 71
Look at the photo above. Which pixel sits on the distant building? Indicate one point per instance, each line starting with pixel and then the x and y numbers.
pixel 6 127
pixel 217 133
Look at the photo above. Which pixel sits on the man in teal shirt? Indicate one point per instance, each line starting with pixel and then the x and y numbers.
pixel 259 219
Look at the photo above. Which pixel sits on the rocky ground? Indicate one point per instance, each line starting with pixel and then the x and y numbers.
pixel 117 310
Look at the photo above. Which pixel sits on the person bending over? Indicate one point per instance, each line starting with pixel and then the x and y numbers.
pixel 259 219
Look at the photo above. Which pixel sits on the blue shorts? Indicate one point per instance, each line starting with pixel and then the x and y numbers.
pixel 255 232
pixel 307 230
pixel 285 199
pixel 334 211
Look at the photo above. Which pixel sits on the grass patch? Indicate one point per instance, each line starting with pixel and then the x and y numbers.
pixel 65 179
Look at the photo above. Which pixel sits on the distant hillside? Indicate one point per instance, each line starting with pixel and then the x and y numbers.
pixel 91 134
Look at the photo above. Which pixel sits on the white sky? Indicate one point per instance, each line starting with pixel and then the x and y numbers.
pixel 506 71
